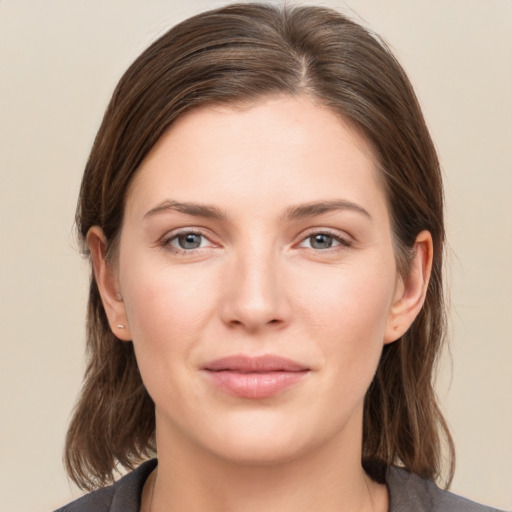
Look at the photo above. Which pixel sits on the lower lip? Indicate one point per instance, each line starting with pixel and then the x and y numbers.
pixel 255 385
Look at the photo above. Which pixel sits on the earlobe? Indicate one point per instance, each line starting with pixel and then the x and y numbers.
pixel 411 291
pixel 106 280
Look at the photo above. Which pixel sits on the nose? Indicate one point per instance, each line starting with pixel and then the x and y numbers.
pixel 254 296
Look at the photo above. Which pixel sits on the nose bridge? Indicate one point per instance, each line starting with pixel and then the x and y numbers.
pixel 254 295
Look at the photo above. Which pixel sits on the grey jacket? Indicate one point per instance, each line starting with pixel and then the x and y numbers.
pixel 407 493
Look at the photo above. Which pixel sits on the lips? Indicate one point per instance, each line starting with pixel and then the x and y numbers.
pixel 254 377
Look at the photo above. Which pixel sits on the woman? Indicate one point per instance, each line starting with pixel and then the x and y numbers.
pixel 263 211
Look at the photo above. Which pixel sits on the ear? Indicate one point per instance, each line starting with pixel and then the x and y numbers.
pixel 411 290
pixel 106 279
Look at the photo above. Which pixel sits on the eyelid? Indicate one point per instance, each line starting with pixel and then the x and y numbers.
pixel 165 241
pixel 344 239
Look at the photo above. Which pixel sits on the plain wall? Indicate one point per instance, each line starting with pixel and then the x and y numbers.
pixel 59 62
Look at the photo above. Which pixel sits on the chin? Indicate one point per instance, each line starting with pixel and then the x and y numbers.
pixel 253 440
pixel 264 451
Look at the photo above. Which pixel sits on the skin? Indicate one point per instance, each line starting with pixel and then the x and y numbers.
pixel 260 283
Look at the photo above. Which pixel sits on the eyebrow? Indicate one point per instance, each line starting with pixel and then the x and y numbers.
pixel 194 209
pixel 295 212
pixel 305 210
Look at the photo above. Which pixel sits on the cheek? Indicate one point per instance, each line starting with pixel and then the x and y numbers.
pixel 347 301
pixel 345 313
pixel 166 304
pixel 167 309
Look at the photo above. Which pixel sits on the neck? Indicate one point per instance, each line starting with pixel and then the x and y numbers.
pixel 328 479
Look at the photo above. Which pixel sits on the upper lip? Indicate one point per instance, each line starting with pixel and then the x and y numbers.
pixel 255 364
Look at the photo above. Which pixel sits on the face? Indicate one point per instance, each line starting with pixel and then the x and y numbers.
pixel 258 279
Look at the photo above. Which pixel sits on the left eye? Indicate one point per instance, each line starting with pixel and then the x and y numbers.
pixel 321 241
pixel 188 241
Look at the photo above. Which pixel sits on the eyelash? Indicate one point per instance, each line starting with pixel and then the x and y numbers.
pixel 344 243
pixel 166 242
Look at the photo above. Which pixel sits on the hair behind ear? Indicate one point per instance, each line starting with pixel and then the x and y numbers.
pixel 113 422
pixel 403 423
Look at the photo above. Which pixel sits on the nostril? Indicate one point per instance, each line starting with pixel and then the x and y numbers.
pixel 236 323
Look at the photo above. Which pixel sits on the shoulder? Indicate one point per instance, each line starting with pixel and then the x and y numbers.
pixel 408 492
pixel 122 496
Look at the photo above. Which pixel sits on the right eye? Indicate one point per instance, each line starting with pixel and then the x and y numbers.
pixel 187 241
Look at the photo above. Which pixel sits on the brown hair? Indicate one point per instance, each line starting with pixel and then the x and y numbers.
pixel 239 53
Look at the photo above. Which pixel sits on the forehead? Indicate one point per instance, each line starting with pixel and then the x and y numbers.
pixel 289 147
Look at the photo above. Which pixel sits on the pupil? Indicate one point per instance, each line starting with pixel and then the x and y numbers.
pixel 190 241
pixel 322 242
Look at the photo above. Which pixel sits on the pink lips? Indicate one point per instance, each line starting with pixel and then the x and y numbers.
pixel 254 377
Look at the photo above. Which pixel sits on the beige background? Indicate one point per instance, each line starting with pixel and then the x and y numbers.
pixel 59 61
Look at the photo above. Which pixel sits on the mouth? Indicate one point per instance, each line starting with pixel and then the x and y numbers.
pixel 254 377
